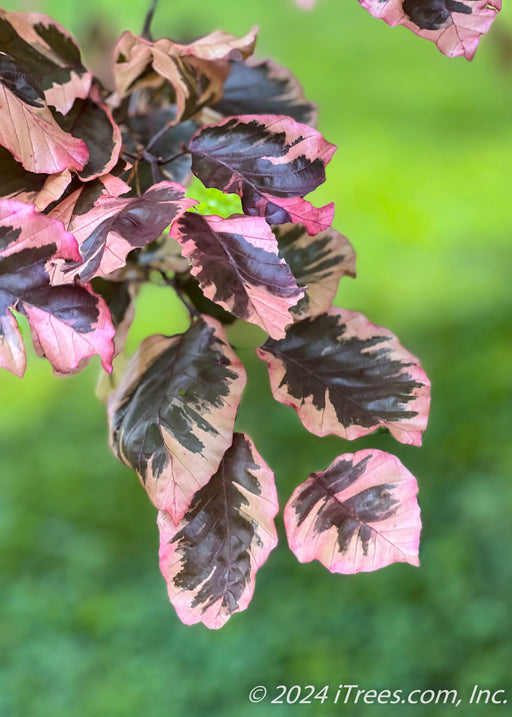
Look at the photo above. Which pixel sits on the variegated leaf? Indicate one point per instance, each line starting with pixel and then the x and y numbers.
pixel 91 120
pixel 345 376
pixel 114 226
pixel 195 72
pixel 69 324
pixel 28 129
pixel 209 560
pixel 172 417
pixel 48 54
pixel 271 162
pixel 237 264
pixel 455 26
pixel 266 88
pixel 317 262
pixel 360 514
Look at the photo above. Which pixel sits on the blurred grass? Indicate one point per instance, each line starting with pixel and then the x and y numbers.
pixel 421 182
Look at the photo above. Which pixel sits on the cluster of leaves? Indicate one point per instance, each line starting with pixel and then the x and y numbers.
pixel 93 204
pixel 455 26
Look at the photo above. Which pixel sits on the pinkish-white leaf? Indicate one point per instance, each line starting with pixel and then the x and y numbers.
pixel 114 226
pixel 237 264
pixel 172 417
pixel 209 560
pixel 271 162
pixel 317 262
pixel 345 376
pixel 31 134
pixel 48 54
pixel 69 324
pixel 360 514
pixel 455 26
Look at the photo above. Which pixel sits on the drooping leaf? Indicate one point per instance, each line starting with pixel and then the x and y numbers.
pixel 317 262
pixel 266 88
pixel 455 26
pixel 345 376
pixel 114 226
pixel 174 164
pixel 360 514
pixel 29 131
pixel 195 72
pixel 271 162
pixel 172 417
pixel 91 120
pixel 69 324
pixel 209 560
pixel 237 264
pixel 47 54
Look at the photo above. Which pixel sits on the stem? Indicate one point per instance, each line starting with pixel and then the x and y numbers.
pixel 146 30
pixel 162 162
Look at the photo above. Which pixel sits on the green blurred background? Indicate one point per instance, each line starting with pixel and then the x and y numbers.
pixel 422 185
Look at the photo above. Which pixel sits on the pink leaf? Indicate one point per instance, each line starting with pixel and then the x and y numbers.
pixel 209 560
pixel 172 417
pixel 455 26
pixel 360 514
pixel 31 134
pixel 345 376
pixel 237 264
pixel 271 162
pixel 69 324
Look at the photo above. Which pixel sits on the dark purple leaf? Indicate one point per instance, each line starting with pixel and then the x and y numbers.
pixel 209 560
pixel 237 264
pixel 360 514
pixel 455 26
pixel 271 162
pixel 172 417
pixel 266 88
pixel 345 376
